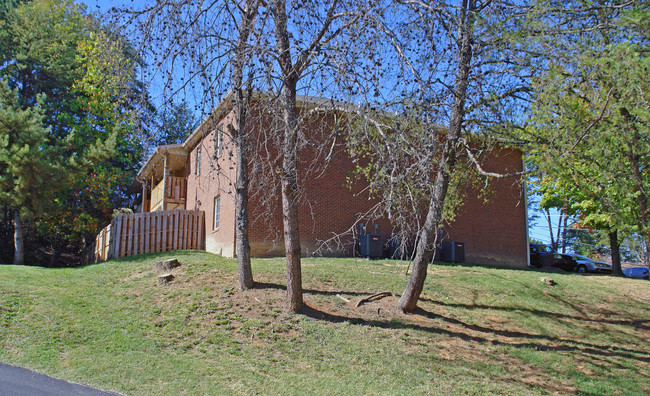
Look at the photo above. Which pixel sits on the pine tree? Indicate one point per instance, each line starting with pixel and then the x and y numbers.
pixel 29 170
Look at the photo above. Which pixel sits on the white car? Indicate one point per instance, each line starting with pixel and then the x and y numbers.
pixel 585 264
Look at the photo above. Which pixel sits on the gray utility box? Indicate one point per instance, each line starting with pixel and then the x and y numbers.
pixel 453 251
pixel 371 246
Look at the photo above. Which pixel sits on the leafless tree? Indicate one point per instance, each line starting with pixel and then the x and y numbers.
pixel 318 25
pixel 271 51
pixel 209 48
pixel 460 78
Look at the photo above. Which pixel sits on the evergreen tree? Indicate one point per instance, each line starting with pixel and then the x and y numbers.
pixel 30 167
pixel 176 124
pixel 86 76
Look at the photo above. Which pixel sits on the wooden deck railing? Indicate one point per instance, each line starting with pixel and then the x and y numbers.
pixel 175 192
pixel 161 231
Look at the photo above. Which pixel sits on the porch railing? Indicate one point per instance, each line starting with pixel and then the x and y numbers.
pixel 176 187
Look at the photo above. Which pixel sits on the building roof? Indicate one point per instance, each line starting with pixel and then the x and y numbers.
pixel 223 108
pixel 226 104
pixel 157 156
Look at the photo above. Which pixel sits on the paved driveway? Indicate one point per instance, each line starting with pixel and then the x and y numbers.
pixel 15 381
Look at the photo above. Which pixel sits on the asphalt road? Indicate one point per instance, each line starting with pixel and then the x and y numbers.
pixel 16 381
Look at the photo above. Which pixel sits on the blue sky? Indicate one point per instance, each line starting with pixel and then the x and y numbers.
pixel 105 5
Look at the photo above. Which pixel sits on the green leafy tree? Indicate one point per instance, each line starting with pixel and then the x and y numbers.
pixel 86 74
pixel 26 167
pixel 31 167
pixel 102 98
pixel 591 117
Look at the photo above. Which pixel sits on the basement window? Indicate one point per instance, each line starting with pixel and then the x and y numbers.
pixel 217 211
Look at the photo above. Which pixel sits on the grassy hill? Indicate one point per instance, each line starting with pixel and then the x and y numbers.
pixel 478 330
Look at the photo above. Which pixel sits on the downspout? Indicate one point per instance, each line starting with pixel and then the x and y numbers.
pixel 523 167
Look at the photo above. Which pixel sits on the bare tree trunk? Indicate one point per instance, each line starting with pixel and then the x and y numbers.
pixel 19 240
pixel 290 205
pixel 641 196
pixel 616 253
pixel 547 214
pixel 427 242
pixel 558 233
pixel 242 147
pixel 243 249
pixel 289 175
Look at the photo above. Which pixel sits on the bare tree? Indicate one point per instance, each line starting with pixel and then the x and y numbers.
pixel 242 146
pixel 457 88
pixel 331 21
pixel 209 48
pixel 271 51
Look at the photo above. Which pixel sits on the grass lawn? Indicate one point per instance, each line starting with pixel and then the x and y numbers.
pixel 479 330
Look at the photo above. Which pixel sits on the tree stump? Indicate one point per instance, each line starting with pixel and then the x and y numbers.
pixel 167 265
pixel 165 279
pixel 548 281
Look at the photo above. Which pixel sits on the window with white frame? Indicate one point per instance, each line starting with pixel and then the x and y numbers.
pixel 197 167
pixel 217 211
pixel 218 143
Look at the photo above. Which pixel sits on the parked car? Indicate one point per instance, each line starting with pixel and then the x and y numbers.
pixel 585 264
pixel 564 261
pixel 637 272
pixel 540 255
pixel 543 257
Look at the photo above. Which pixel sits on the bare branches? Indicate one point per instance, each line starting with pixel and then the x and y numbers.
pixel 594 122
pixel 482 171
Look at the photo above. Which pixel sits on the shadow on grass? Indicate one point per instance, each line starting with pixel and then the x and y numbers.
pixel 275 286
pixel 520 339
pixel 642 324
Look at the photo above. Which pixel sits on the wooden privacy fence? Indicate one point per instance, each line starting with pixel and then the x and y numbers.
pixel 128 235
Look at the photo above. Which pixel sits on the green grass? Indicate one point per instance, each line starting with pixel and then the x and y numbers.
pixel 479 329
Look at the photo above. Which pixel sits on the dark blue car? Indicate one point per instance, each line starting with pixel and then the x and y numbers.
pixel 637 272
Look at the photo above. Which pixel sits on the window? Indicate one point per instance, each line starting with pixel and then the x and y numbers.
pixel 217 211
pixel 197 167
pixel 218 143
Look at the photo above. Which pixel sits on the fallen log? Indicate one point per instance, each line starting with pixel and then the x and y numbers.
pixel 373 297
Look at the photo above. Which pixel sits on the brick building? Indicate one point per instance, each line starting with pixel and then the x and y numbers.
pixel 200 174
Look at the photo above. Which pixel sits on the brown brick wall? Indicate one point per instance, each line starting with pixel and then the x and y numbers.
pixel 493 233
pixel 329 207
pixel 216 178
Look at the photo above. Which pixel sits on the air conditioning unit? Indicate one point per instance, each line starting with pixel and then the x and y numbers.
pixel 453 251
pixel 371 246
